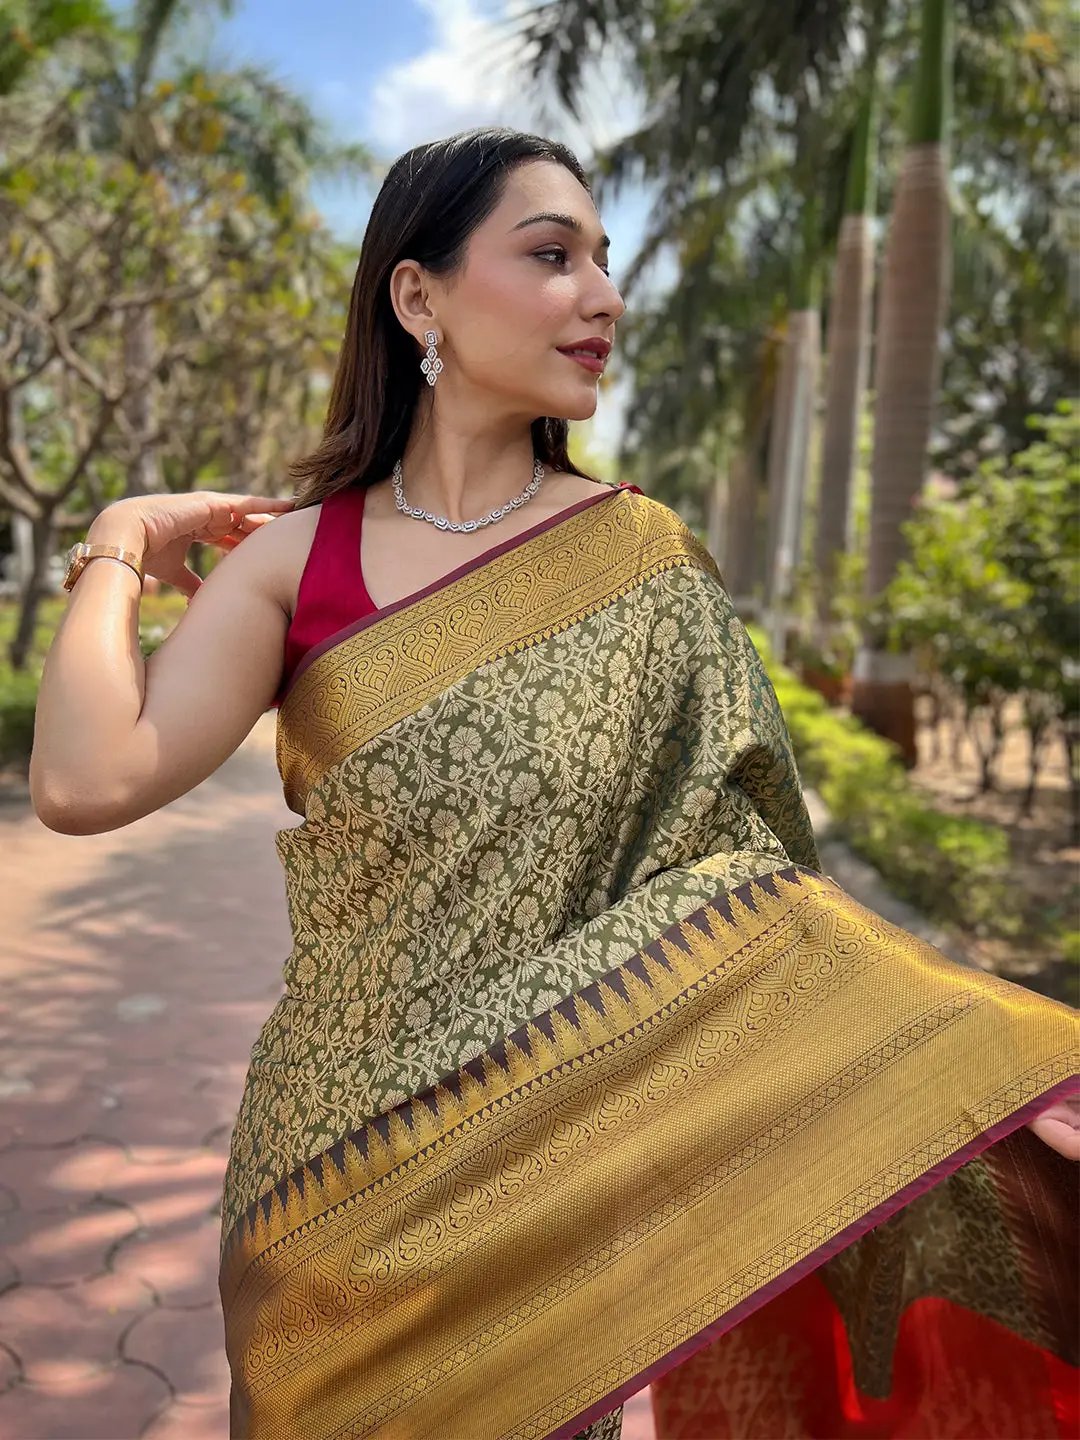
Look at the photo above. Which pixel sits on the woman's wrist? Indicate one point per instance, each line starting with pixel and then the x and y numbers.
pixel 116 528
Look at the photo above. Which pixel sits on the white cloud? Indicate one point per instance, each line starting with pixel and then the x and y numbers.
pixel 472 75
pixel 445 88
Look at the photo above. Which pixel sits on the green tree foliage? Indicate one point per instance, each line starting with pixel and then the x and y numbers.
pixel 720 85
pixel 952 867
pixel 31 30
pixel 169 302
pixel 1012 344
pixel 991 593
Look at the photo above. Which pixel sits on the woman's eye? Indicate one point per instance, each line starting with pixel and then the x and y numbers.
pixel 561 257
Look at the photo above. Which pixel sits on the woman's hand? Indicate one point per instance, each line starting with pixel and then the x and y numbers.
pixel 1059 1126
pixel 170 524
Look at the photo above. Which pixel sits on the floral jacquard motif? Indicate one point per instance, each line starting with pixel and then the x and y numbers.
pixel 518 836
pixel 527 830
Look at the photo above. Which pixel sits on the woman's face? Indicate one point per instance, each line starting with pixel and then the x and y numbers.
pixel 529 287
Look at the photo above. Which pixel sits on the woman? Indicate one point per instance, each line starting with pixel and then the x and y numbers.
pixel 584 1076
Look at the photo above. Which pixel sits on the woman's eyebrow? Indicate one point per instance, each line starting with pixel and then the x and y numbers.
pixel 569 222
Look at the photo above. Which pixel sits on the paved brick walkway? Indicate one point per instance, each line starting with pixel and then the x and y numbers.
pixel 137 968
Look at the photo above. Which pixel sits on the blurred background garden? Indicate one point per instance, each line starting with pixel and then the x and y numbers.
pixel 846 234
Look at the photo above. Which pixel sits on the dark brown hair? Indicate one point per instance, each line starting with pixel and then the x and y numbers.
pixel 432 199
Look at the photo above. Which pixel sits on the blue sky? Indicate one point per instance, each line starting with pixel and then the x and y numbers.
pixel 401 72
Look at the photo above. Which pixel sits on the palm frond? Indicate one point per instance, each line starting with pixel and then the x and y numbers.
pixel 151 22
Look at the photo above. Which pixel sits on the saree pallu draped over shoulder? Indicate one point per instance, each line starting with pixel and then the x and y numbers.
pixel 586 1078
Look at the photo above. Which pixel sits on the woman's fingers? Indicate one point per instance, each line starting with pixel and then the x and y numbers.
pixel 244 504
pixel 1059 1136
pixel 1059 1127
pixel 184 580
pixel 245 525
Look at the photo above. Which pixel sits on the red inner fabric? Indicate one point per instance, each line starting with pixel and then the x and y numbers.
pixel 785 1372
pixel 332 592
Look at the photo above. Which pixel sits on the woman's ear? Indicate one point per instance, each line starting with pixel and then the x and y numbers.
pixel 409 297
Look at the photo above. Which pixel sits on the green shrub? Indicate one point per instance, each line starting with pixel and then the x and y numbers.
pixel 18 696
pixel 18 689
pixel 1067 937
pixel 952 868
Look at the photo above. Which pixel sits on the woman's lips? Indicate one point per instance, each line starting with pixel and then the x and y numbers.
pixel 590 362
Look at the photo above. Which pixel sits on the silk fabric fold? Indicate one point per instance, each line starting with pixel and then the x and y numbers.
pixel 586 1078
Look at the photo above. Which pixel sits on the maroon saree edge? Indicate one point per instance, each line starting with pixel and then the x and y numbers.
pixel 817 1258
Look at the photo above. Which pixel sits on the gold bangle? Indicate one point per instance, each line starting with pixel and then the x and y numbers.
pixel 83 552
pixel 131 564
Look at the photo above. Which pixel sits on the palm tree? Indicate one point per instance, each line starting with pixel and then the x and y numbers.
pixel 718 81
pixel 797 389
pixel 739 542
pixel 912 309
pixel 703 365
pixel 850 298
pixel 714 75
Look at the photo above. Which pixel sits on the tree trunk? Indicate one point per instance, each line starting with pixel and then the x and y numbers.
pixel 914 298
pixel 914 294
pixel 43 540
pixel 848 364
pixel 141 403
pixel 805 349
pixel 716 519
pixel 1070 740
pixel 741 532
pixel 749 499
pixel 779 428
pixel 804 413
pixel 22 550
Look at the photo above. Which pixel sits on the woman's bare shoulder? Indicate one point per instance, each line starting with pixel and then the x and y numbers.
pixel 284 544
pixel 572 488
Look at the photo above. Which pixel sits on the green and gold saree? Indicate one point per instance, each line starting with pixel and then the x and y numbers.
pixel 585 1078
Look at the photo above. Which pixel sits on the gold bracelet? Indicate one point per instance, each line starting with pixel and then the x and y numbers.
pixel 83 552
pixel 131 564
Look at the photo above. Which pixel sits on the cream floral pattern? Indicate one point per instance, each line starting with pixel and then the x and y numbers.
pixel 435 907
pixel 530 828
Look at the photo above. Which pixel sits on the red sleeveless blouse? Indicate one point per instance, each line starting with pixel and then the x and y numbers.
pixel 332 593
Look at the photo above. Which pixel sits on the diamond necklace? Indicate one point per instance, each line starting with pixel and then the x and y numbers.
pixel 489 519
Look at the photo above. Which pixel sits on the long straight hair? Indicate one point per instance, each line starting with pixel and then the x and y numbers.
pixel 432 199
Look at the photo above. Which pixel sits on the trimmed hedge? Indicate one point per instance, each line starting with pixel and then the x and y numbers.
pixel 953 868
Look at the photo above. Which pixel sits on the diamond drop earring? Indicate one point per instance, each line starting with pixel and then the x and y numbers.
pixel 431 364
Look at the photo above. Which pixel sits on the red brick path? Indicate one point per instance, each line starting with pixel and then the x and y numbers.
pixel 136 970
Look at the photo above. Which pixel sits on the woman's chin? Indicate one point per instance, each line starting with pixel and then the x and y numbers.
pixel 578 406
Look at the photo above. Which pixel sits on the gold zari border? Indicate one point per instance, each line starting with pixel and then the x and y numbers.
pixel 499 1254
pixel 391 667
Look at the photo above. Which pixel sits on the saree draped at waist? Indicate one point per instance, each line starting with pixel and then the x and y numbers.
pixel 586 1078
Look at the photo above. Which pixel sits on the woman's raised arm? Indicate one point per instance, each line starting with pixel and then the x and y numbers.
pixel 117 736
